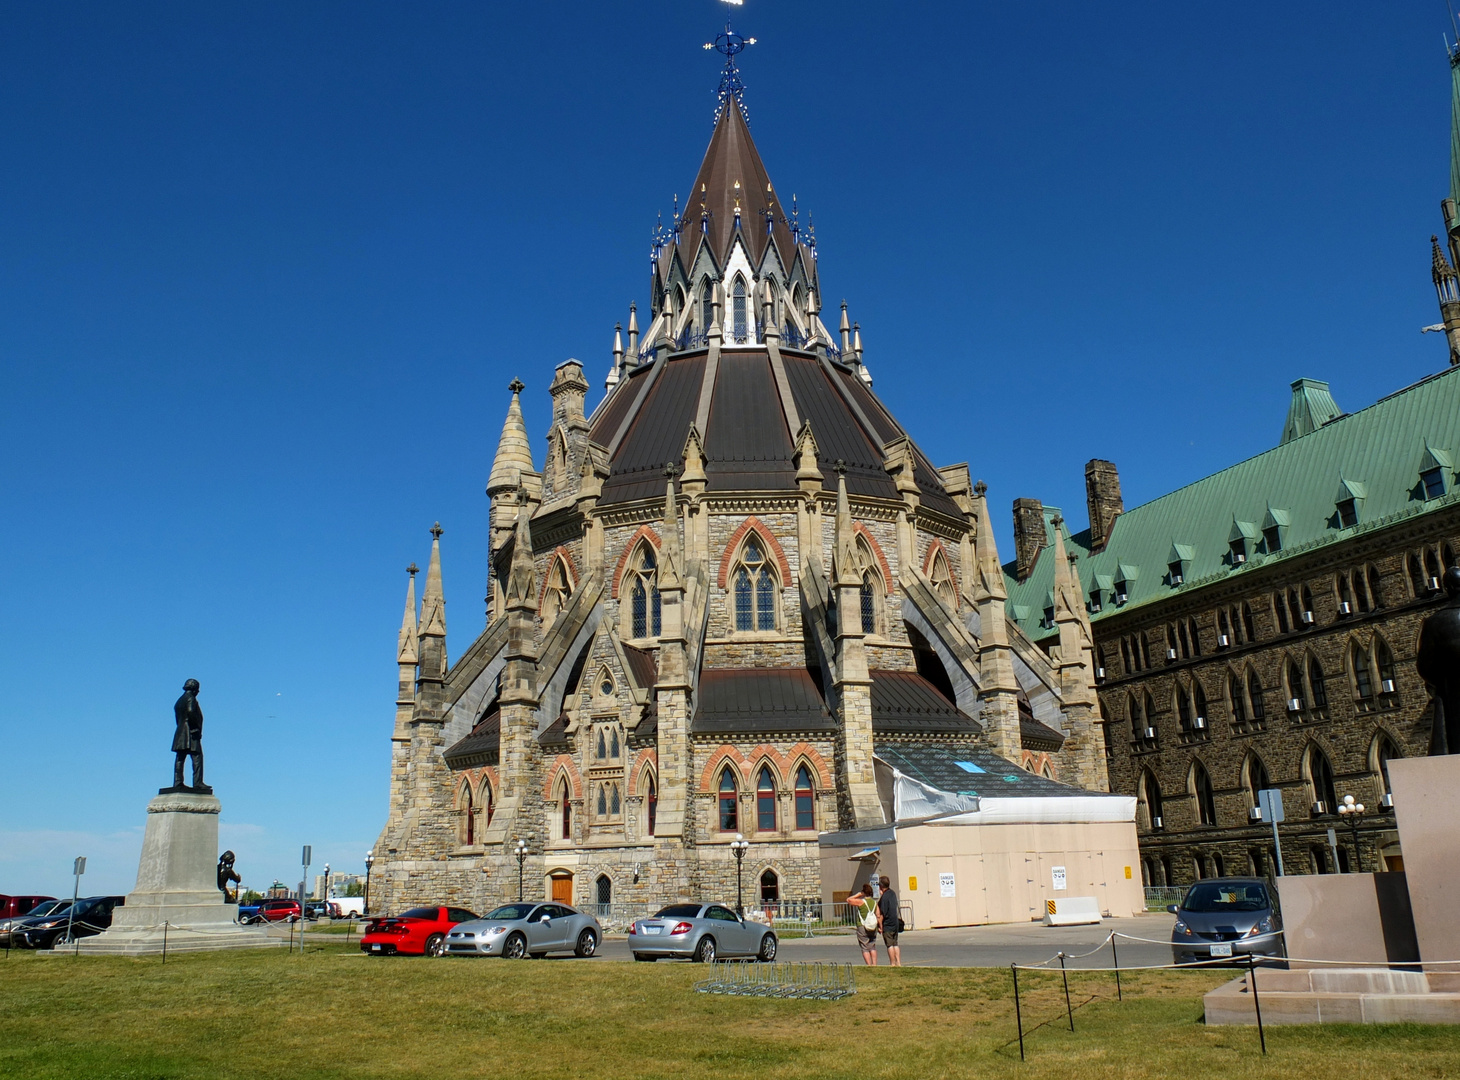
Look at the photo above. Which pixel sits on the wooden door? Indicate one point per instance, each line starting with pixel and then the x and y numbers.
pixel 563 889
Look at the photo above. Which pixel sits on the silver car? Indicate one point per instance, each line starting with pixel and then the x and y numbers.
pixel 701 932
pixel 1223 921
pixel 526 929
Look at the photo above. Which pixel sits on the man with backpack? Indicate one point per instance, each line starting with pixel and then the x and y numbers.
pixel 889 921
pixel 864 910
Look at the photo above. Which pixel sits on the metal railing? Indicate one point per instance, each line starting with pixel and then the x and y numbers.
pixel 789 918
pixel 813 981
pixel 1158 897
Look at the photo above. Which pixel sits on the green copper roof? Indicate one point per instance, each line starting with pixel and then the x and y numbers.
pixel 1311 408
pixel 1374 457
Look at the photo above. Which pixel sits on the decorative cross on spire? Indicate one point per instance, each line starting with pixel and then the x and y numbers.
pixel 413 569
pixel 729 44
pixel 436 531
pixel 516 386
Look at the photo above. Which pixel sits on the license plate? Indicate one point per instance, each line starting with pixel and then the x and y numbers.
pixel 375 948
pixel 1221 950
pixel 652 929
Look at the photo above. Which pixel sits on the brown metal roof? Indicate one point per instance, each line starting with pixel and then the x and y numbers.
pixel 643 668
pixel 731 157
pixel 905 703
pixel 481 746
pixel 657 434
pixel 759 700
pixel 748 446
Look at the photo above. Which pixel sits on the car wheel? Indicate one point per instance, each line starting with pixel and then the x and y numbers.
pixel 515 947
pixel 767 949
pixel 587 944
pixel 436 945
pixel 641 958
pixel 705 951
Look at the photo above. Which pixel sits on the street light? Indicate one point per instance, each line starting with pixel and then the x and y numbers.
pixel 1352 812
pixel 326 896
pixel 369 862
pixel 521 858
pixel 739 846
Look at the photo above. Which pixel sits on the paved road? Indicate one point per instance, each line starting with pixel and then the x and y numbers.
pixel 983 946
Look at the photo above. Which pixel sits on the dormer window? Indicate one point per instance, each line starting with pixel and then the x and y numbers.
pixel 1178 564
pixel 1101 586
pixel 1238 550
pixel 1177 575
pixel 1124 578
pixel 1048 620
pixel 1348 513
pixel 1272 539
pixel 1349 502
pixel 1241 542
pixel 1274 530
pixel 1435 471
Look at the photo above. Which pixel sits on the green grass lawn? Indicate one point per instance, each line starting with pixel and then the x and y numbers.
pixel 336 1013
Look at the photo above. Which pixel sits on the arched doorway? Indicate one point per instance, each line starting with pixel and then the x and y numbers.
pixel 770 892
pixel 562 887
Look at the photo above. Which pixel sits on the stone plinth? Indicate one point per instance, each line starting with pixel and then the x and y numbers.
pixel 177 885
pixel 1347 918
pixel 1427 810
pixel 1338 996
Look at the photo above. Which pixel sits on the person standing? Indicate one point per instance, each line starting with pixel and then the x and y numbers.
pixel 865 911
pixel 889 921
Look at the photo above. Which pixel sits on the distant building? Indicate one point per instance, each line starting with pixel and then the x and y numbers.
pixel 339 884
pixel 1257 628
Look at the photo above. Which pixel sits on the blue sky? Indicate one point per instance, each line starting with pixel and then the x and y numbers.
pixel 266 270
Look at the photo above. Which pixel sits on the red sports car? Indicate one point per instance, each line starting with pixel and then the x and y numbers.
pixel 418 932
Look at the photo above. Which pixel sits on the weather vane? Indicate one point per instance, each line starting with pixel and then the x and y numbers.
pixel 729 44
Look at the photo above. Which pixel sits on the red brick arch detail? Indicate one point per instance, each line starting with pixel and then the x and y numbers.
pixel 623 559
pixel 647 758
pixel 488 776
pixel 779 764
pixel 1035 763
pixel 934 547
pixel 718 758
pixel 563 553
pixel 563 764
pixel 887 579
pixel 754 523
pixel 818 765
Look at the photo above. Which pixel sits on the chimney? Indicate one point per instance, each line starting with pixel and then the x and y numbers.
pixel 1102 494
pixel 1029 535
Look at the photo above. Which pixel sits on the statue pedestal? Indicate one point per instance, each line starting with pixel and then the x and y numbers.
pixel 177 885
pixel 1426 809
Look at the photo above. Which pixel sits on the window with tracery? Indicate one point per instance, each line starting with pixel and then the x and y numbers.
pixel 651 801
pixel 765 801
pixel 942 578
pixel 729 803
pixel 805 799
pixel 642 580
pixel 555 595
pixel 565 810
pixel 756 591
pixel 740 329
pixel 1206 799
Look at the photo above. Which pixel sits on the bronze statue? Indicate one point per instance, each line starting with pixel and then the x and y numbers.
pixel 227 877
pixel 187 741
pixel 1438 664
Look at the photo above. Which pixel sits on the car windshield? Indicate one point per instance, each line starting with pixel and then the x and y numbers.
pixel 1215 897
pixel 47 908
pixel 679 911
pixel 420 913
pixel 511 912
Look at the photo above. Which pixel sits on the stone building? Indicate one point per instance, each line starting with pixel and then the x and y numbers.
pixel 1257 628
pixel 730 585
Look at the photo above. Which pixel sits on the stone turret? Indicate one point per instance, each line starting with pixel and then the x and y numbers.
pixel 1083 747
pixel 856 785
pixel 671 691
pixel 568 437
pixel 999 688
pixel 509 468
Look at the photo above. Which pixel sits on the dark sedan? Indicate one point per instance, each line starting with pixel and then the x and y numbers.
pixel 1222 920
pixel 13 926
pixel 81 919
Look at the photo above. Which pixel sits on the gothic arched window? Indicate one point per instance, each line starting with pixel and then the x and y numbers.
pixel 1148 801
pixel 729 802
pixel 1206 799
pixel 1297 697
pixel 1320 779
pixel 642 580
pixel 942 578
pixel 1236 700
pixel 805 799
pixel 565 810
pixel 651 801
pixel 756 590
pixel 873 588
pixel 1254 778
pixel 1384 752
pixel 765 801
pixel 1384 662
pixel 559 589
pixel 707 306
pixel 1316 689
pixel 1254 696
pixel 468 816
pixel 1363 679
pixel 740 329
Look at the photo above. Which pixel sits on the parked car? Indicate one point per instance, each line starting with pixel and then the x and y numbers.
pixel 278 910
pixel 8 926
pixel 700 932
pixel 319 909
pixel 82 919
pixel 418 932
pixel 528 929
pixel 1222 919
pixel 15 906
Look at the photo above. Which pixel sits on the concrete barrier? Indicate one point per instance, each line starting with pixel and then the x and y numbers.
pixel 1072 911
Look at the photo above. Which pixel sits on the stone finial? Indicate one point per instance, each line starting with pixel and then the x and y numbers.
pixel 433 600
pixel 407 651
pixel 980 489
pixel 514 452
pixel 808 473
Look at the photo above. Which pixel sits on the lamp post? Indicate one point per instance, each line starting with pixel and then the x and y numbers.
pixel 326 896
pixel 369 862
pixel 521 858
pixel 1352 812
pixel 739 846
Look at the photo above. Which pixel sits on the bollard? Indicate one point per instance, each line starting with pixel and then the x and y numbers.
pixel 164 941
pixel 1116 957
pixel 1066 977
pixel 1018 1016
pixel 1256 1003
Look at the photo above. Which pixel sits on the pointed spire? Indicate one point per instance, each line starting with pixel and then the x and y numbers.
pixel 694 461
pixel 433 602
pixel 670 557
pixel 1066 591
pixel 407 650
pixel 846 333
pixel 847 568
pixel 618 346
pixel 808 473
pixel 990 572
pixel 634 329
pixel 514 452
